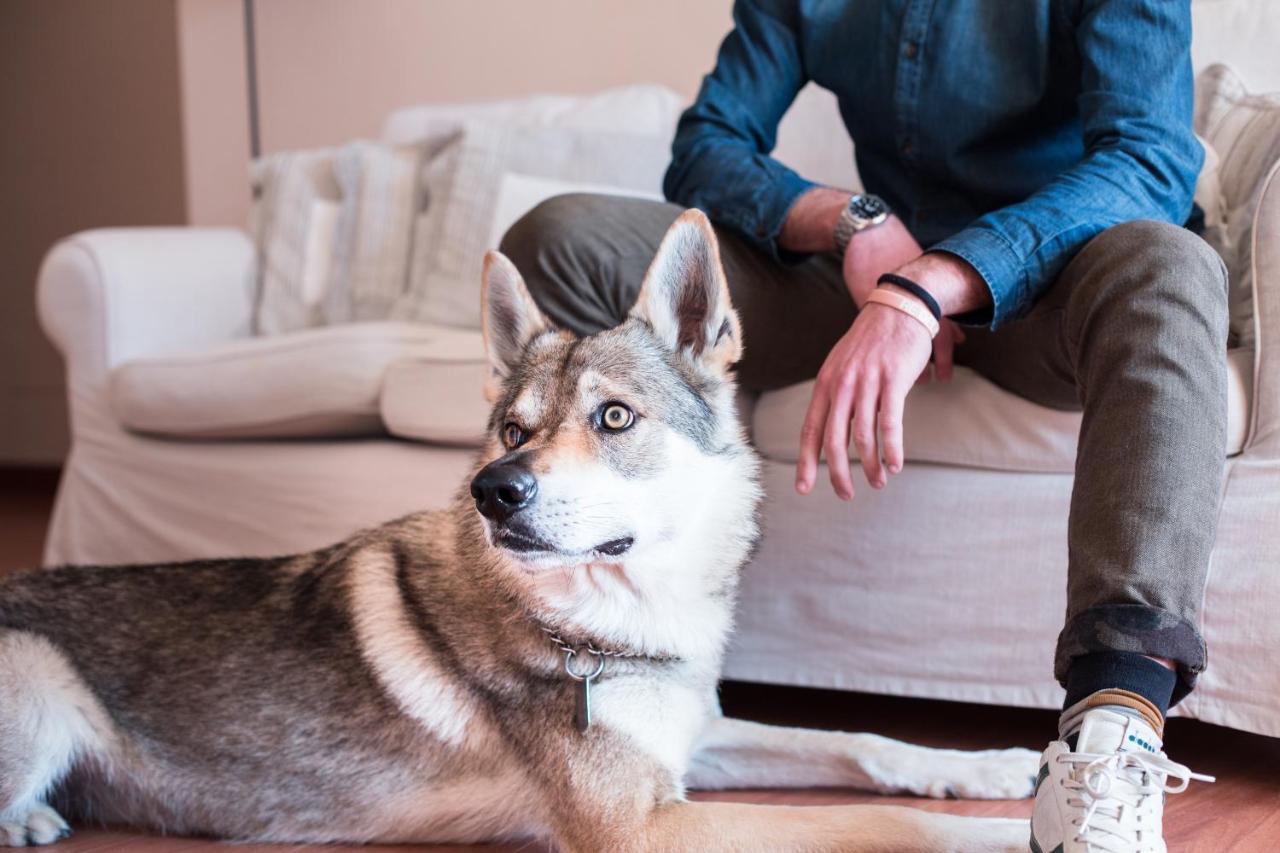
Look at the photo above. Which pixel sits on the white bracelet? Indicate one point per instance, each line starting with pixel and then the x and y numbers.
pixel 908 305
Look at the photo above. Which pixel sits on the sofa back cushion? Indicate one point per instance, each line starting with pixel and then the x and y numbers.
pixel 643 109
pixel 464 187
pixel 1242 134
pixel 1241 33
pixel 296 199
pixel 332 228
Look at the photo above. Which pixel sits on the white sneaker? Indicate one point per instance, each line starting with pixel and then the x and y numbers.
pixel 1108 795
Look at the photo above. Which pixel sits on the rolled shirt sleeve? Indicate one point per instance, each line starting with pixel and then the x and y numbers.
pixel 720 156
pixel 1141 157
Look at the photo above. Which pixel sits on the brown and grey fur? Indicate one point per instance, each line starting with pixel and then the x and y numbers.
pixel 399 686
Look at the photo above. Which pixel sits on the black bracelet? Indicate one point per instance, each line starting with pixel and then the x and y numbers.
pixel 915 290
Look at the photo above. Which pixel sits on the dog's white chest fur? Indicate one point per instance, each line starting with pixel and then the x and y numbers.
pixel 664 720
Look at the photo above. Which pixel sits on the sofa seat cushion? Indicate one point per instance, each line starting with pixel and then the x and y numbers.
pixel 439 398
pixel 973 423
pixel 323 382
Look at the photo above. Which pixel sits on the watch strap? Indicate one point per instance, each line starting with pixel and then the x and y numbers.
pixel 845 228
pixel 848 224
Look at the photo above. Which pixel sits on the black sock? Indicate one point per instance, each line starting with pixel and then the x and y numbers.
pixel 1120 671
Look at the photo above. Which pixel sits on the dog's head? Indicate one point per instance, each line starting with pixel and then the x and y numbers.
pixel 616 473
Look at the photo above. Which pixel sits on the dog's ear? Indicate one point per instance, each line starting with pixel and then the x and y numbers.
pixel 509 316
pixel 685 297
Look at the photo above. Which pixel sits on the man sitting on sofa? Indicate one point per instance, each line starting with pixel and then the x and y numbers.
pixel 1032 165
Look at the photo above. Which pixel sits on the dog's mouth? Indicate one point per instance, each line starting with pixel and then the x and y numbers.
pixel 522 541
pixel 615 547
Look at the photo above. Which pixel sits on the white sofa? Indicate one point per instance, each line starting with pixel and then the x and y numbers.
pixel 949 584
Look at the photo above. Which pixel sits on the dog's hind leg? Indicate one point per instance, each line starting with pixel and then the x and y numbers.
pixel 47 719
pixel 741 754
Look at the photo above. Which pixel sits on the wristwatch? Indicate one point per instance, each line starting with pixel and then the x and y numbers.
pixel 864 211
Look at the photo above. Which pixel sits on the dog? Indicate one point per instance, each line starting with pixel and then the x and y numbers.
pixel 539 660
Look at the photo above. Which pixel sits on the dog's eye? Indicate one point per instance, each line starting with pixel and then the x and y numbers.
pixel 512 435
pixel 616 417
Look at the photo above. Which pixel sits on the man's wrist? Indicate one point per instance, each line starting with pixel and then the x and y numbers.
pixel 810 225
pixel 907 305
pixel 956 286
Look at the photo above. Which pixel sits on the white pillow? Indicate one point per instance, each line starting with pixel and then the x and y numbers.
pixel 380 199
pixel 333 229
pixel 463 186
pixel 1243 131
pixel 291 221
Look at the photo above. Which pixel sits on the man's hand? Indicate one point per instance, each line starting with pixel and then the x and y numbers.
pixel 865 380
pixel 868 373
pixel 944 347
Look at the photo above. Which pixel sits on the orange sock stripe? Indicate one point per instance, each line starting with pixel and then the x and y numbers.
pixel 1131 700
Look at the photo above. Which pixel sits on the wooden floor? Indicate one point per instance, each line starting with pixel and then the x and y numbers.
pixel 1239 814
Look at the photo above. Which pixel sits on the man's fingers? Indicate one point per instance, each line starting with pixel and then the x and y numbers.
pixel 837 439
pixel 811 439
pixel 892 400
pixel 864 430
pixel 942 349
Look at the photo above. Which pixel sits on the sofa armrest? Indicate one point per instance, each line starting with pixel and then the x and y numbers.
pixel 111 295
pixel 1264 431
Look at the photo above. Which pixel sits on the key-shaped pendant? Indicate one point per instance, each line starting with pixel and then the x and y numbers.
pixel 582 702
pixel 582 711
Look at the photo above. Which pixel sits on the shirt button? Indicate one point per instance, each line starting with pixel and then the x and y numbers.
pixel 911 50
pixel 907 149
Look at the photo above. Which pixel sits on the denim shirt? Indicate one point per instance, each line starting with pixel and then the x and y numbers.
pixel 1007 132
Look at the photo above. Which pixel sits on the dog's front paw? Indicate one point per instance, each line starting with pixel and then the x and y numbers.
pixel 37 826
pixel 992 774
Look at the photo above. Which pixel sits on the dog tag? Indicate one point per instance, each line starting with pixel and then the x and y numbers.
pixel 582 713
pixel 582 701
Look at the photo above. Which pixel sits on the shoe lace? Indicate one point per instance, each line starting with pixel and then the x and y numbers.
pixel 1109 786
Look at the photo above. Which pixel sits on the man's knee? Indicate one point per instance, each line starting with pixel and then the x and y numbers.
pixel 1145 258
pixel 583 255
pixel 556 246
pixel 558 225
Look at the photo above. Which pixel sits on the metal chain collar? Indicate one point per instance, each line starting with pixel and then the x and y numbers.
pixel 590 648
pixel 582 702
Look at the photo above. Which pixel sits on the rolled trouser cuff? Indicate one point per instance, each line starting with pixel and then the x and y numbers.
pixel 1134 628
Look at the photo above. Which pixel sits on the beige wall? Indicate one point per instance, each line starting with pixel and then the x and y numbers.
pixel 215 111
pixel 89 136
pixel 331 70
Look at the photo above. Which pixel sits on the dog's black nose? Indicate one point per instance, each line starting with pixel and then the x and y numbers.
pixel 502 490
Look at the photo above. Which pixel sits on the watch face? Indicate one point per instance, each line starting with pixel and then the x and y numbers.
pixel 867 207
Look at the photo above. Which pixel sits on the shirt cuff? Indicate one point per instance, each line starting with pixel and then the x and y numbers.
pixel 1002 269
pixel 769 228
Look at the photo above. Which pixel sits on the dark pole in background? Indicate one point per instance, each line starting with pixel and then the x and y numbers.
pixel 251 74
